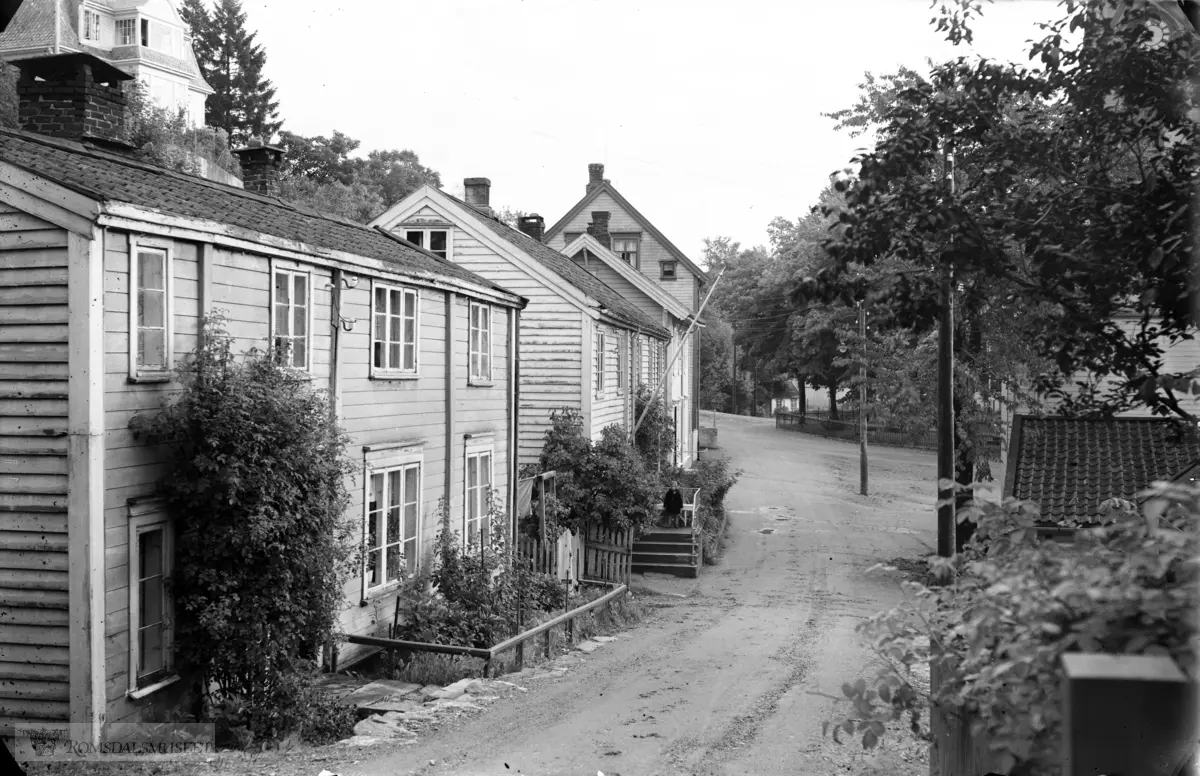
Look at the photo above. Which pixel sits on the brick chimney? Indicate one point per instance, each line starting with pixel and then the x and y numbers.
pixel 73 96
pixel 598 228
pixel 532 225
pixel 595 176
pixel 479 194
pixel 260 167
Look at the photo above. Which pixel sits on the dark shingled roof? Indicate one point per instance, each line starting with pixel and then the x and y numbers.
pixel 613 303
pixel 112 177
pixel 1069 466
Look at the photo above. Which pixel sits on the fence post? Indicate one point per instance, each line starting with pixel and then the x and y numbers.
pixel 1133 714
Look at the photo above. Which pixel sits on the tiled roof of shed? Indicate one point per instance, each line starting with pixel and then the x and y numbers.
pixel 111 177
pixel 1069 466
pixel 614 303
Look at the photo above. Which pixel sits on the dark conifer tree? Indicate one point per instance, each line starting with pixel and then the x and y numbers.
pixel 244 103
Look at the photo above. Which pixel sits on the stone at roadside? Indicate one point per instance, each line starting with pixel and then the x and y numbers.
pixel 476 687
pixel 604 639
pixel 586 646
pixel 385 726
pixel 380 696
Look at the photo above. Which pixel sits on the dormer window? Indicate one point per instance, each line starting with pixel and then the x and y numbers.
pixel 91 26
pixel 667 268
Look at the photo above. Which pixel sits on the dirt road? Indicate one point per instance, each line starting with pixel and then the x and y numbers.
pixel 724 677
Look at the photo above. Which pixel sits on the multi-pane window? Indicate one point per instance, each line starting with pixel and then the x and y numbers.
pixel 151 316
pixel 622 362
pixel 601 344
pixel 127 32
pixel 432 240
pixel 393 507
pixel 91 25
pixel 638 367
pixel 290 323
pixel 479 486
pixel 627 248
pixel 481 342
pixel 150 610
pixel 394 338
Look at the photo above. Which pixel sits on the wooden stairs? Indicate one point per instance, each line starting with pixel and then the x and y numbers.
pixel 676 551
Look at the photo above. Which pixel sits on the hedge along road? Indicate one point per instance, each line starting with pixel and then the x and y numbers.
pixel 729 673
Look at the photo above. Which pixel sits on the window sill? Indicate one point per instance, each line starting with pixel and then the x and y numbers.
pixel 479 382
pixel 296 373
pixel 400 376
pixel 142 692
pixel 150 377
pixel 381 591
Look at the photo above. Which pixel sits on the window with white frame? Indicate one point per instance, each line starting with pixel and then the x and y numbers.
pixel 394 330
pixel 127 32
pixel 393 523
pixel 91 25
pixel 480 342
pixel 150 609
pixel 150 310
pixel 433 240
pixel 622 362
pixel 478 482
pixel 626 246
pixel 601 344
pixel 291 304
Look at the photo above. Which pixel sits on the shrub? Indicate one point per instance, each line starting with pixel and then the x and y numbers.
pixel 606 482
pixel 1017 604
pixel 714 478
pixel 655 438
pixel 256 487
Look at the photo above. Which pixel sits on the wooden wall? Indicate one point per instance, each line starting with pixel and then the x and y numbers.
pixel 650 251
pixel 34 655
pixel 551 345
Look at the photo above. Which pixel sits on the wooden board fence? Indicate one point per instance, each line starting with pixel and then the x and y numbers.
pixel 608 554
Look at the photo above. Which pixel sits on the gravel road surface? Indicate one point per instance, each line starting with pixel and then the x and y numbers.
pixel 730 673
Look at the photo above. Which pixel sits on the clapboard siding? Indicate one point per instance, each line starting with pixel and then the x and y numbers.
pixel 609 405
pixel 33 469
pixel 550 342
pixel 619 283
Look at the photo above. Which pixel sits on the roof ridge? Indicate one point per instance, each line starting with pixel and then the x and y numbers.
pixel 98 153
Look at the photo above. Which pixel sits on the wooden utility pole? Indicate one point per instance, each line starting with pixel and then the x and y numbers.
pixel 862 399
pixel 946 436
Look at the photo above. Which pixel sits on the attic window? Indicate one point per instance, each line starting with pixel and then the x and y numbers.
pixel 668 269
pixel 433 240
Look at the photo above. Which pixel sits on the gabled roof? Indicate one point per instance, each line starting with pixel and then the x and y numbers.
pixel 1069 466
pixel 613 303
pixel 108 177
pixel 607 188
pixel 622 268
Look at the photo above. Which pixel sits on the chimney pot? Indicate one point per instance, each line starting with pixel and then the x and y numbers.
pixel 532 225
pixel 261 165
pixel 598 228
pixel 595 175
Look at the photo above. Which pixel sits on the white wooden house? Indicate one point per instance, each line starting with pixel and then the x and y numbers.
pixel 106 267
pixel 651 299
pixel 609 217
pixel 581 342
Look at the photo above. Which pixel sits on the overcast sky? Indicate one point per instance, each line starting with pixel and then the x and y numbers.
pixel 706 113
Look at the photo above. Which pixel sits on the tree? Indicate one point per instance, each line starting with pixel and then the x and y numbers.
pixel 195 13
pixel 1071 204
pixel 323 173
pixel 243 104
pixel 716 364
pixel 165 138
